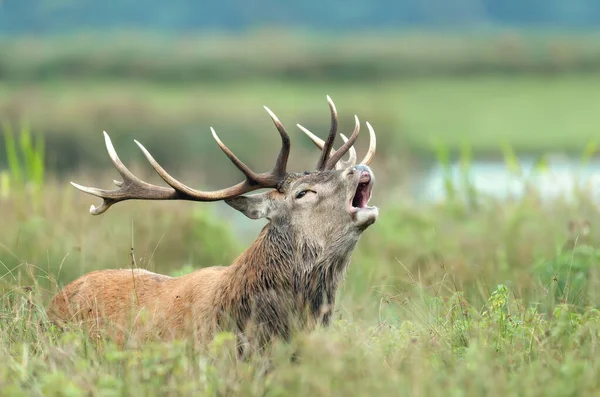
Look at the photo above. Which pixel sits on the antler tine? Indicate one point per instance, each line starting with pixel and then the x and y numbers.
pixel 351 160
pixel 237 162
pixel 345 147
pixel 284 152
pixel 322 163
pixel 125 173
pixel 372 146
pixel 315 139
pixel 129 185
pixel 319 143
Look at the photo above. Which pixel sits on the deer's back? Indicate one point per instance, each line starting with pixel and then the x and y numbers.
pixel 140 300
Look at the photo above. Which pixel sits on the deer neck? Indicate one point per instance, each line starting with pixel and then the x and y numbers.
pixel 298 273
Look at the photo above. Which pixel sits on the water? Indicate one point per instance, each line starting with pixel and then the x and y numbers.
pixel 493 179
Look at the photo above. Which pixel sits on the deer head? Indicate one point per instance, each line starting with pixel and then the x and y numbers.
pixel 331 201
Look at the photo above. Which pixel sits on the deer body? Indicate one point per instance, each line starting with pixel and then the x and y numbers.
pixel 286 280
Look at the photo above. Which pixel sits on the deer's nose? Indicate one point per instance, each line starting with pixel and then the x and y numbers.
pixel 362 169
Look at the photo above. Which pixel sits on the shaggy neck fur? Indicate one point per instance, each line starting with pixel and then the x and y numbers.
pixel 283 282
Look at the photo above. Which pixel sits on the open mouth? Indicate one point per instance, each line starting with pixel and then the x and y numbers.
pixel 363 192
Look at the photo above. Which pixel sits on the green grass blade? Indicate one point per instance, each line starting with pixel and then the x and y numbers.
pixel 588 152
pixel 26 146
pixel 12 157
pixel 442 154
pixel 511 160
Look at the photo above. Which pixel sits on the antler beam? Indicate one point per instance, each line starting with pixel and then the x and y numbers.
pixel 134 188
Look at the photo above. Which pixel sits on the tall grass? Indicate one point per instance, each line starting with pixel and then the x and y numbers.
pixel 500 299
pixel 470 296
pixel 441 346
pixel 25 154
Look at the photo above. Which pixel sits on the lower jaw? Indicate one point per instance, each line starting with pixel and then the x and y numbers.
pixel 365 217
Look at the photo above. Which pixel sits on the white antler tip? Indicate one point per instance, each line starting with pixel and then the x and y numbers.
pixel 307 132
pixel 214 134
pixel 106 137
pixel 110 148
pixel 146 154
pixel 331 104
pixel 78 186
pixel 141 146
pixel 92 209
pixel 315 139
pixel 275 119
pixel 371 130
pixel 372 145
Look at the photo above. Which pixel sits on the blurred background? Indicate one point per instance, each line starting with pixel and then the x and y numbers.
pixel 429 76
pixel 486 96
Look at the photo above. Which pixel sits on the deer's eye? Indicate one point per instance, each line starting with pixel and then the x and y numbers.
pixel 301 194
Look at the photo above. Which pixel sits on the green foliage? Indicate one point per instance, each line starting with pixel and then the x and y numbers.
pixel 466 156
pixel 73 115
pixel 567 275
pixel 417 315
pixel 25 155
pixel 295 56
pixel 448 347
pixel 511 160
pixel 212 240
pixel 442 155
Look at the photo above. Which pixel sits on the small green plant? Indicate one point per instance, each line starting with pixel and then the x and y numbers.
pixel 567 274
pixel 4 184
pixel 25 155
pixel 466 160
pixel 442 154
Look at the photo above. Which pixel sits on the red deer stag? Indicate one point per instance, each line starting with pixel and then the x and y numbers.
pixel 286 280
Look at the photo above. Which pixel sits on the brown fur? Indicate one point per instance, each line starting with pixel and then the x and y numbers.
pixel 286 280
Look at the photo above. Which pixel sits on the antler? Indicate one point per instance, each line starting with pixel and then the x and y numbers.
pixel 319 143
pixel 325 161
pixel 134 188
pixel 326 146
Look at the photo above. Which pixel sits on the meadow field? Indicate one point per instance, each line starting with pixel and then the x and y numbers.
pixel 485 297
pixel 538 93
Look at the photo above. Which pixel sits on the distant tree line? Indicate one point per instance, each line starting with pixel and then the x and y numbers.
pixel 179 16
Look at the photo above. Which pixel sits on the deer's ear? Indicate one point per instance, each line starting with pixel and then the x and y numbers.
pixel 254 207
